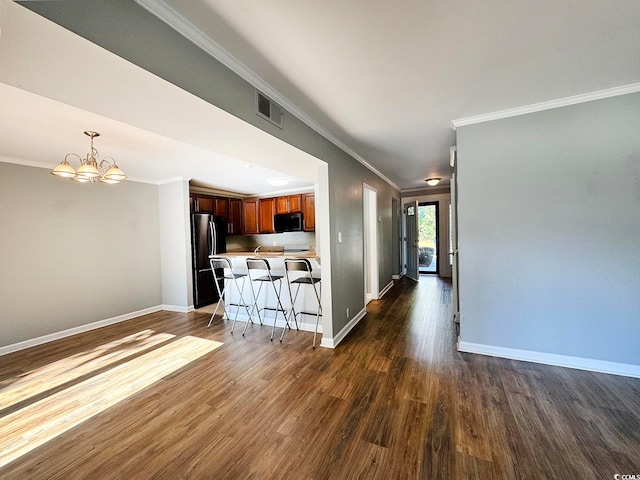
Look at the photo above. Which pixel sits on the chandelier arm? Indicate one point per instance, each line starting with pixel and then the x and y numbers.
pixel 109 161
pixel 73 155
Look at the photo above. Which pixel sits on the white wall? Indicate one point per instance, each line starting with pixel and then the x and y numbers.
pixel 175 246
pixel 549 229
pixel 72 254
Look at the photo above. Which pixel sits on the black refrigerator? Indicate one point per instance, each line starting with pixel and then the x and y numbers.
pixel 208 237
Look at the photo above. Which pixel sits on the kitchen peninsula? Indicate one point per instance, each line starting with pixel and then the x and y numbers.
pixel 305 301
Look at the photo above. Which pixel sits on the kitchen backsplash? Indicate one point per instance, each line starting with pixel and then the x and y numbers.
pixel 302 240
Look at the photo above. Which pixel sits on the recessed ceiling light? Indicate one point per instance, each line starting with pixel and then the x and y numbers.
pixel 432 182
pixel 247 165
pixel 278 182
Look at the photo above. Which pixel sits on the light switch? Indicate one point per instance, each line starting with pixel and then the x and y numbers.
pixel 339 237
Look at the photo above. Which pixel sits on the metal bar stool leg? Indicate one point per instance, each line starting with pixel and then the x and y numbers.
pixel 216 265
pixel 242 303
pixel 280 308
pixel 262 265
pixel 255 304
pixel 303 267
pixel 292 311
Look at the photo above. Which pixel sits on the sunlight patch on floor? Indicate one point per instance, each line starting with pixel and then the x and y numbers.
pixel 68 369
pixel 37 423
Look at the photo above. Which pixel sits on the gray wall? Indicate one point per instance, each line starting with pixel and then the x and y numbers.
pixel 126 29
pixel 549 229
pixel 73 254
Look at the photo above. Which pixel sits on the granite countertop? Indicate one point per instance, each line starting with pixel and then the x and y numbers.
pixel 273 254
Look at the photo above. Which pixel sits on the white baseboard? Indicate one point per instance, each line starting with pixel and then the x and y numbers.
pixel 396 277
pixel 75 330
pixel 579 363
pixel 178 308
pixel 385 290
pixel 335 341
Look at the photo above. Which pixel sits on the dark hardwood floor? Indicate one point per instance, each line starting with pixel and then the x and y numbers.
pixel 394 401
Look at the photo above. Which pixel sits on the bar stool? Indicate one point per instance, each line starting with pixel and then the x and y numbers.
pixel 224 264
pixel 262 265
pixel 305 278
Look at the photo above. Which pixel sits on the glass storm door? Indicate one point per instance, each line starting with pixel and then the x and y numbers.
pixel 411 239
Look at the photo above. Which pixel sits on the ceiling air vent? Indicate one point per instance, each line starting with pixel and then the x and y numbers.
pixel 268 109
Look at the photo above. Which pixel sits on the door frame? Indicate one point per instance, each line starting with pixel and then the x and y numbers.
pixel 410 240
pixel 370 242
pixel 436 204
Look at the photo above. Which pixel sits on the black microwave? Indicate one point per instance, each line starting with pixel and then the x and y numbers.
pixel 287 222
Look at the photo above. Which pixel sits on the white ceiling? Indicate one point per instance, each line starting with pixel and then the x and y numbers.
pixel 39 131
pixel 388 78
pixel 382 79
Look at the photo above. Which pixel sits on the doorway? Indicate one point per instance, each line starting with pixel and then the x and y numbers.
pixel 428 237
pixel 370 224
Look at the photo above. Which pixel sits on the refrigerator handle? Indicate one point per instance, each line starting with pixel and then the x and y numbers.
pixel 212 238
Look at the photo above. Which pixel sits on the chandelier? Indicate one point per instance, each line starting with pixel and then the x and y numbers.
pixel 89 169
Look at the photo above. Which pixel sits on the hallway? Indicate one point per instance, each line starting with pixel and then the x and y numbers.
pixel 394 401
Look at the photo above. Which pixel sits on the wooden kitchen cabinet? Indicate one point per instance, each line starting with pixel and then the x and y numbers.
pixel 289 204
pixel 250 216
pixel 221 207
pixel 203 203
pixel 266 210
pixel 295 203
pixel 309 212
pixel 282 205
pixel 235 216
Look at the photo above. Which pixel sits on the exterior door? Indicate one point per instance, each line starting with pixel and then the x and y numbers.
pixel 428 236
pixel 411 239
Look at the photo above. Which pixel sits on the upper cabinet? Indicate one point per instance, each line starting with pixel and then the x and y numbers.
pixel 235 216
pixel 289 204
pixel 202 203
pixel 221 207
pixel 266 211
pixel 282 205
pixel 295 203
pixel 250 208
pixel 253 216
pixel 309 212
pixel 228 208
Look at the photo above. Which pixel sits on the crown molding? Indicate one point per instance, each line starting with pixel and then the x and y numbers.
pixel 539 107
pixel 184 27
